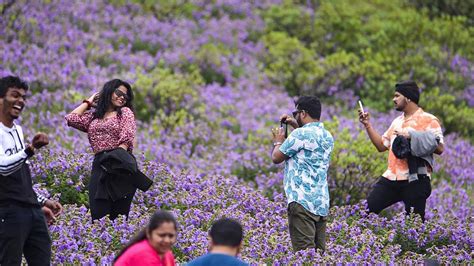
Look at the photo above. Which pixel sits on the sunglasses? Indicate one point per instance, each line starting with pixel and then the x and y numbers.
pixel 120 93
pixel 296 112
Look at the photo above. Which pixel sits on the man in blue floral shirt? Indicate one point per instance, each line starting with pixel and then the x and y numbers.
pixel 306 152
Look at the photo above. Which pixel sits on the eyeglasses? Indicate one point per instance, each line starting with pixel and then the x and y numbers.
pixel 120 93
pixel 296 112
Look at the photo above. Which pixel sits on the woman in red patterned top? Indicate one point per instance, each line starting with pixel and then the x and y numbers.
pixel 152 245
pixel 110 126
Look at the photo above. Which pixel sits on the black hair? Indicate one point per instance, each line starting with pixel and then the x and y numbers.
pixel 156 220
pixel 311 105
pixel 11 82
pixel 106 95
pixel 226 232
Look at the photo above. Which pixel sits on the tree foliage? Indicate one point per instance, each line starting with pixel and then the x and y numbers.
pixel 366 47
pixel 167 95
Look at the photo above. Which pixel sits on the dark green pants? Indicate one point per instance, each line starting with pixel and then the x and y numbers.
pixel 307 230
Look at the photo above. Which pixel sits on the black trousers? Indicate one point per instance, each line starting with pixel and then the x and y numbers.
pixel 413 194
pixel 23 230
pixel 101 207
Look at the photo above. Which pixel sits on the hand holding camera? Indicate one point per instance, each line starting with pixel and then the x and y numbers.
pixel 287 119
pixel 278 135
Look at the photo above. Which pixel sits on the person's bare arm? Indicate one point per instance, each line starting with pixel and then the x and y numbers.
pixel 278 139
pixel 374 136
pixel 84 106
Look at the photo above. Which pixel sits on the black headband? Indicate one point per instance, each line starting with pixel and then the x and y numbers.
pixel 409 89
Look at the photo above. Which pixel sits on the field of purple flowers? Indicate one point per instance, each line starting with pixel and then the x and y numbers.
pixel 206 103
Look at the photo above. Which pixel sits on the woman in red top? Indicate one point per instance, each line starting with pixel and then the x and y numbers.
pixel 152 246
pixel 110 126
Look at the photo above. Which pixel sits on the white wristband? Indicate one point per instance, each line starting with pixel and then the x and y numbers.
pixel 277 143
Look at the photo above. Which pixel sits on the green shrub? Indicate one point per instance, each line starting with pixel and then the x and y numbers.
pixel 454 114
pixel 376 42
pixel 65 175
pixel 289 63
pixel 355 165
pixel 164 9
pixel 366 47
pixel 208 57
pixel 167 95
pixel 291 19
pixel 447 7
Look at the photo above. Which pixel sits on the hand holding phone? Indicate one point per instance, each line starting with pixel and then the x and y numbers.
pixel 361 107
pixel 363 116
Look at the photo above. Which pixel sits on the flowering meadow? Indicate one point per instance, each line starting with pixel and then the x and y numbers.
pixel 211 78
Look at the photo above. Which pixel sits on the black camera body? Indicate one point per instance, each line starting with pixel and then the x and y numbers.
pixel 284 122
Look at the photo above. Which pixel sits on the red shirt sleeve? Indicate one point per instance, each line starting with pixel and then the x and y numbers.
pixel 78 121
pixel 129 127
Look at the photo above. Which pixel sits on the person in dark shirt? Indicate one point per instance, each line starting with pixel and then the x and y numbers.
pixel 226 242
pixel 23 214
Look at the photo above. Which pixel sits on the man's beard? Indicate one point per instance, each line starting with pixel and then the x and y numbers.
pixel 300 123
pixel 400 107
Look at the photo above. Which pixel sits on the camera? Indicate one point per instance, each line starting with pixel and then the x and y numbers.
pixel 284 122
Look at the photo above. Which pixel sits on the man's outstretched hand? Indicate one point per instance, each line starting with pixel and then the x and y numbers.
pixel 40 140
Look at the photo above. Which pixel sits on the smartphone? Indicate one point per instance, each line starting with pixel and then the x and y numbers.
pixel 361 107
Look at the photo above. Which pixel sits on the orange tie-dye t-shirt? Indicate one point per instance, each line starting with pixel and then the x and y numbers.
pixel 419 121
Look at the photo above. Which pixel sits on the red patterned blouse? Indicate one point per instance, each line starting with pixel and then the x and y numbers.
pixel 107 133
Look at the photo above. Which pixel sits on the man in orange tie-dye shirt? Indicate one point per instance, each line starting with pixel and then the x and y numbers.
pixel 394 186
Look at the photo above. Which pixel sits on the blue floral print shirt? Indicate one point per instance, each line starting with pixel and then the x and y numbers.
pixel 309 148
